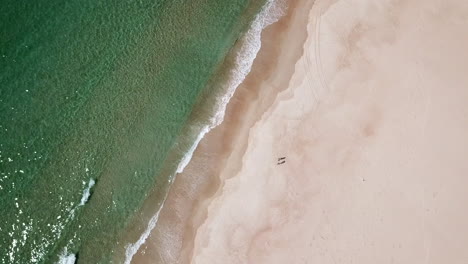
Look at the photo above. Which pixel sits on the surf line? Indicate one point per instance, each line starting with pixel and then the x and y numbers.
pixel 271 12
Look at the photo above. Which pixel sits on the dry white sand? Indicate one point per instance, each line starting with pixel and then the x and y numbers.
pixel 374 128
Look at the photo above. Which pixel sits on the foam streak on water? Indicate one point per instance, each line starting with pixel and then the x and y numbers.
pixel 66 258
pixel 38 251
pixel 86 192
pixel 245 57
pixel 132 249
pixel 188 156
pixel 251 44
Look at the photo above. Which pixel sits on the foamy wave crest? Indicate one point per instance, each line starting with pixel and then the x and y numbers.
pixel 188 156
pixel 251 44
pixel 244 58
pixel 86 192
pixel 132 249
pixel 38 252
pixel 66 258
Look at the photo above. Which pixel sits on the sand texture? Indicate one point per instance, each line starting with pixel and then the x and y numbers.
pixel 368 102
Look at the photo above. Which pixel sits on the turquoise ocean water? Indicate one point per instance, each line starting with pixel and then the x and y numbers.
pixel 93 97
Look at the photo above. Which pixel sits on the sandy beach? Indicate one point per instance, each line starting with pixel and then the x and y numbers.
pixel 368 103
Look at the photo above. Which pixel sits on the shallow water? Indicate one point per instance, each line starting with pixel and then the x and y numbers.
pixel 93 91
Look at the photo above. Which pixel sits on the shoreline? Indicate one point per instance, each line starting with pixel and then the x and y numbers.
pixel 243 57
pixel 373 128
pixel 254 96
pixel 214 142
pixel 369 112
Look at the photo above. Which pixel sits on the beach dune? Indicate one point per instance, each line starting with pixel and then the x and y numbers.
pixel 368 103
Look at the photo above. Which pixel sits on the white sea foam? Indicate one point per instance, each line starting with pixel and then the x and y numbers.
pixel 251 44
pixel 132 248
pixel 66 258
pixel 188 156
pixel 86 192
pixel 39 250
pixel 244 59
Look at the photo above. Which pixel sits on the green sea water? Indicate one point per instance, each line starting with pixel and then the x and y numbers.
pixel 93 96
